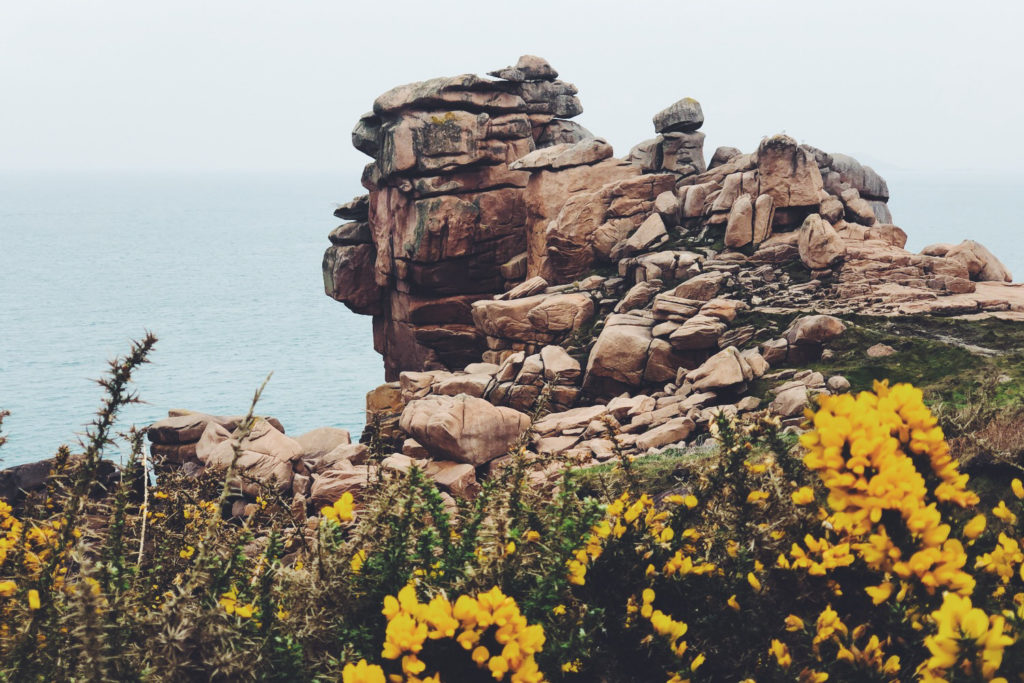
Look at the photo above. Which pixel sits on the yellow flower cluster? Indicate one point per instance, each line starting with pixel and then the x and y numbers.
pixel 10 531
pixel 641 516
pixel 803 496
pixel 831 556
pixel 780 651
pixel 1003 560
pixel 470 621
pixel 362 673
pixel 967 638
pixel 664 625
pixel 830 630
pixel 683 564
pixel 870 656
pixel 229 601
pixel 36 542
pixel 866 449
pixel 342 511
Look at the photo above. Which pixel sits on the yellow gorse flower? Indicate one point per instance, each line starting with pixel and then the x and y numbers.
pixel 229 601
pixel 965 635
pixel 794 623
pixel 1004 513
pixel 466 621
pixel 975 527
pixel 803 495
pixel 342 511
pixel 866 449
pixel 780 651
pixel 362 673
pixel 623 516
pixel 1003 560
pixel 357 561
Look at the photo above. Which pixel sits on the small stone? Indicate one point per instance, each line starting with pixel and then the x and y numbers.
pixel 880 351
pixel 528 68
pixel 838 384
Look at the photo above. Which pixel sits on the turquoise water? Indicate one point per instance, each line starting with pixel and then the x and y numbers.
pixel 225 270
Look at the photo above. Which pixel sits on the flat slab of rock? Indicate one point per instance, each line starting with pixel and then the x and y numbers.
pixel 463 383
pixel 328 487
pixel 699 332
pixel 187 426
pixel 672 431
pixel 458 478
pixel 463 428
pixel 880 351
pixel 539 318
pixel 321 441
pixel 535 285
pixel 342 456
pixel 556 423
pixel 585 152
pixel 465 91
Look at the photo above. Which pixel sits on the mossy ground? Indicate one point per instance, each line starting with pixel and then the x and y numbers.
pixel 950 359
pixel 665 471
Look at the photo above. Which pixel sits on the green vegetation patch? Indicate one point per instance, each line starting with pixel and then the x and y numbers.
pixel 948 358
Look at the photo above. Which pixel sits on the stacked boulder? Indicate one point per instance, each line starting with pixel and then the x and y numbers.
pixel 679 147
pixel 174 440
pixel 445 211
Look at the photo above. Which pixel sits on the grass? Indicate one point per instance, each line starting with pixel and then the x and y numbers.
pixel 948 358
pixel 656 473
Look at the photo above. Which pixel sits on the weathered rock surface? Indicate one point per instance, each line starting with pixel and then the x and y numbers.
pixel 444 208
pixel 981 263
pixel 463 428
pixel 819 244
pixel 496 230
pixel 725 369
pixel 265 456
pixel 684 116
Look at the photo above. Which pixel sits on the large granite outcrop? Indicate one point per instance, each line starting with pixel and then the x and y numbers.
pixel 497 230
pixel 533 294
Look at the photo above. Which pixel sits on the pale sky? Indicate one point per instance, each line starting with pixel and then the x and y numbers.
pixel 277 86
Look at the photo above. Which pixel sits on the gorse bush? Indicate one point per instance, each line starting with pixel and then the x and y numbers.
pixel 861 554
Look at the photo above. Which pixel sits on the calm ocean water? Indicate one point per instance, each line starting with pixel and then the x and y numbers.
pixel 225 270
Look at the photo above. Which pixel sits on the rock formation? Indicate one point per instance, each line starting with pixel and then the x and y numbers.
pixel 446 214
pixel 503 250
pixel 514 266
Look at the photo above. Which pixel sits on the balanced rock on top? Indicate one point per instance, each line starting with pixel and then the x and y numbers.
pixel 684 116
pixel 528 68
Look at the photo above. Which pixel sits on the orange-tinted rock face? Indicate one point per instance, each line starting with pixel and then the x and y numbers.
pixel 445 211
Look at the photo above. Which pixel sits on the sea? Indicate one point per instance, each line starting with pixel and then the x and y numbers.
pixel 224 268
